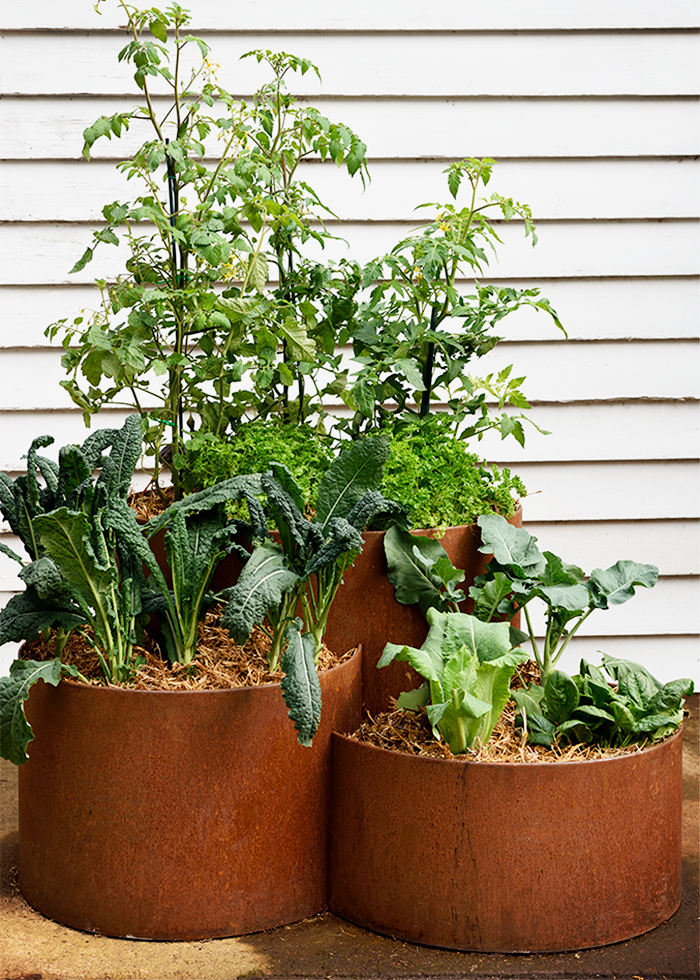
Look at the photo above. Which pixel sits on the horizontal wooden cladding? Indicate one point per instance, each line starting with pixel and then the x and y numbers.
pixel 582 370
pixel 648 612
pixel 43 253
pixel 610 491
pixel 674 546
pixel 591 309
pixel 365 15
pixel 438 128
pixel 601 431
pixel 492 64
pixel 667 657
pixel 554 189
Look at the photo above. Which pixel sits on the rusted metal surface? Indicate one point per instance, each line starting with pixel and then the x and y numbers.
pixel 177 815
pixel 365 608
pixel 506 857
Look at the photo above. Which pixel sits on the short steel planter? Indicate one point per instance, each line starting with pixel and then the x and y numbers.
pixel 492 857
pixel 177 815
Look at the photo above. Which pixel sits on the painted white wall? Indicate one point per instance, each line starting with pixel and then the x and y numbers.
pixel 591 110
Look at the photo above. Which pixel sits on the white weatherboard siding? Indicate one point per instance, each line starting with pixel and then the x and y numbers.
pixel 591 110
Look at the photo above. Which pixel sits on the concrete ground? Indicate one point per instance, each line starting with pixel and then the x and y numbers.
pixel 34 948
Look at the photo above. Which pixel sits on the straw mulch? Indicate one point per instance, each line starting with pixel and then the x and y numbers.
pixel 150 502
pixel 410 731
pixel 220 661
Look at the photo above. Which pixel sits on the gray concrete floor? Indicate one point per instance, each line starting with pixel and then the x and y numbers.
pixel 34 948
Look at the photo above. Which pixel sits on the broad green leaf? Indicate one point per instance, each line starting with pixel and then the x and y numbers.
pixel 118 468
pixel 26 615
pixel 558 572
pixel 411 373
pixel 301 688
pixel 511 546
pixel 358 468
pixel 449 632
pixel 592 715
pixel 264 581
pixel 561 696
pixel 15 731
pixel 671 695
pixel 245 487
pixel 300 346
pixel 667 721
pixel 489 596
pixel 540 730
pixel 572 598
pixel 423 661
pixel 258 271
pixel 414 700
pixel 409 562
pixel 634 681
pixel 67 539
pixel 616 584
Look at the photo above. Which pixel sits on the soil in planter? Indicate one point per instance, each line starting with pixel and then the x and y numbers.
pixel 220 662
pixel 410 731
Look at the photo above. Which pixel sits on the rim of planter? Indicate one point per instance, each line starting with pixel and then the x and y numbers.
pixel 506 857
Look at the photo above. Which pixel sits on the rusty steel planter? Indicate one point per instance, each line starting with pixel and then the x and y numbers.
pixel 498 857
pixel 365 610
pixel 177 815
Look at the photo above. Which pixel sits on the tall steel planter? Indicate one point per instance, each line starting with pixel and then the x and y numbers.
pixel 496 857
pixel 365 610
pixel 177 815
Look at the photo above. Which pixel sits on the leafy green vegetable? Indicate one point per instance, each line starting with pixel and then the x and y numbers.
pixel 208 459
pixel 592 708
pixel 301 687
pixel 70 482
pixel 441 484
pixel 302 574
pixel 198 535
pixel 15 731
pixel 467 666
pixel 519 573
pixel 420 571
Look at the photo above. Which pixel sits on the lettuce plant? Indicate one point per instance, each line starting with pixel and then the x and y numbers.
pixel 467 665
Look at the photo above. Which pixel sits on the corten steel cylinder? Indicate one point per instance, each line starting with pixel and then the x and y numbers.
pixel 177 815
pixel 366 608
pixel 499 857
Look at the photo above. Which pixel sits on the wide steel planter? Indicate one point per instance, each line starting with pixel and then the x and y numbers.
pixel 530 857
pixel 177 815
pixel 365 610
